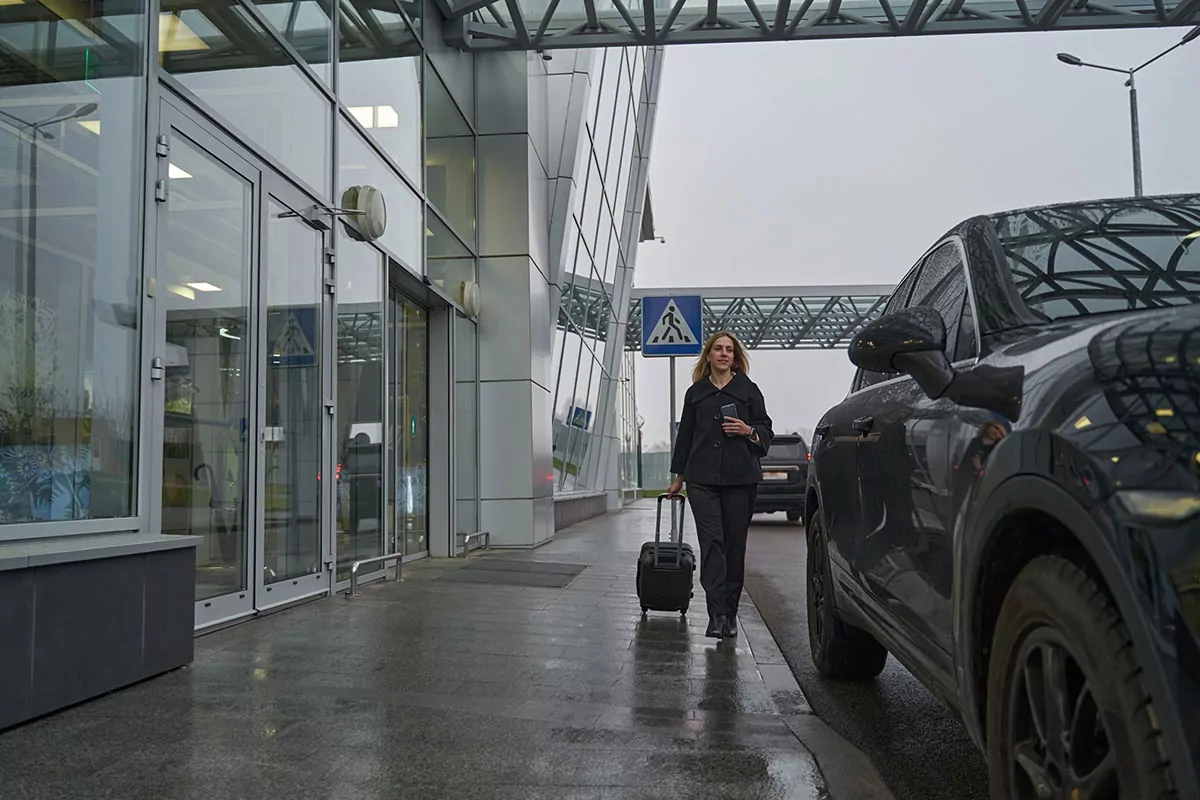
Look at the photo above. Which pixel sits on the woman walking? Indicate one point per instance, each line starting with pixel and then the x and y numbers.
pixel 723 432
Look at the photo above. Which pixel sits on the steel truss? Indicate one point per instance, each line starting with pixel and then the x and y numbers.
pixel 550 24
pixel 764 318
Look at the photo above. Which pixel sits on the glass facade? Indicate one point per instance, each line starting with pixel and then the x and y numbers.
pixel 594 258
pixel 200 335
pixel 71 149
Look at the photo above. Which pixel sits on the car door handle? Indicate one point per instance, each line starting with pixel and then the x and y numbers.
pixel 864 424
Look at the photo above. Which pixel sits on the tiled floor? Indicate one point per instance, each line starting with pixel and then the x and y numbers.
pixel 437 689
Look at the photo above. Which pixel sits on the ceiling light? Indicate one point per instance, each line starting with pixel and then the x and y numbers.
pixel 176 174
pixel 182 291
pixel 202 286
pixel 92 125
pixel 174 36
pixel 1082 422
pixel 1192 235
pixel 11 2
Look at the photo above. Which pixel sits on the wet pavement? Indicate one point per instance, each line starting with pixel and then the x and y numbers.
pixel 922 750
pixel 440 687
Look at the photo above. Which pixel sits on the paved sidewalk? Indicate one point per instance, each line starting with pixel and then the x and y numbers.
pixel 442 686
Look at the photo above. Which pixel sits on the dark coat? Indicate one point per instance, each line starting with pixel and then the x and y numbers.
pixel 703 453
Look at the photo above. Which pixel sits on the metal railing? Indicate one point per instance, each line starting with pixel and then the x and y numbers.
pixel 466 543
pixel 397 557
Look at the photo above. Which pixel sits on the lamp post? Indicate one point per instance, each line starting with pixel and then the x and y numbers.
pixel 1135 133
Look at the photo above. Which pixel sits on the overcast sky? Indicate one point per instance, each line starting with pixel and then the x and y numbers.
pixel 802 163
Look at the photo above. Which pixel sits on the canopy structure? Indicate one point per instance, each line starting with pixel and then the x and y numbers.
pixel 763 317
pixel 549 24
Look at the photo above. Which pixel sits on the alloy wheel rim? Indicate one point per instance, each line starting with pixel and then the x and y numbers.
pixel 1061 748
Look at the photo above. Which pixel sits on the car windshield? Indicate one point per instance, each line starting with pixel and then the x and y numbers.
pixel 787 451
pixel 1096 258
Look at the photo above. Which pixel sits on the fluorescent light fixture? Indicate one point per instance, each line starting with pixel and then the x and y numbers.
pixel 428 232
pixel 365 115
pixel 182 291
pixel 174 36
pixel 92 125
pixel 177 174
pixel 386 117
pixel 202 286
pixel 1082 422
pixel 1192 235
pixel 11 2
pixel 376 116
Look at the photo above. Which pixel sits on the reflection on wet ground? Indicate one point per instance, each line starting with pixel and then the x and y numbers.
pixel 431 689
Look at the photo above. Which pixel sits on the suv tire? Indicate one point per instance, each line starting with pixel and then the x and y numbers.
pixel 1058 628
pixel 793 515
pixel 839 650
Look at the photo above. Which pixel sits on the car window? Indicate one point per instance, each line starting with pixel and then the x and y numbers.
pixel 899 297
pixel 896 302
pixel 1103 256
pixel 788 451
pixel 948 296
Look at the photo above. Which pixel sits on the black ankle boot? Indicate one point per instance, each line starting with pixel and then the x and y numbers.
pixel 716 626
pixel 731 627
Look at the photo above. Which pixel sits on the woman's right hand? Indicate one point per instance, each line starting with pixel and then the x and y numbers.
pixel 676 486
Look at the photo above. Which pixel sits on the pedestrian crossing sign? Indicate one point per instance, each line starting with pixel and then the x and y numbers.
pixel 672 325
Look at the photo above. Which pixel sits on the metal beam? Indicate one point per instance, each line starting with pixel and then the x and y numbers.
pixel 617 24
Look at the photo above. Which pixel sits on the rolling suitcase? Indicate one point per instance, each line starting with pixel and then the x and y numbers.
pixel 664 569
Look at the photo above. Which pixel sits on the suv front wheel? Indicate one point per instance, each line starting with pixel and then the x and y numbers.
pixel 838 650
pixel 1068 714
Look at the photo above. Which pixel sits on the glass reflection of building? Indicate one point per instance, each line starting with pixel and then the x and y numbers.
pixel 200 345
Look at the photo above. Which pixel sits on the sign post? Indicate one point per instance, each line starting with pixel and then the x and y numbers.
pixel 672 325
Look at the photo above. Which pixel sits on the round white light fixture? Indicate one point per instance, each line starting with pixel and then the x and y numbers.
pixel 368 218
pixel 470 297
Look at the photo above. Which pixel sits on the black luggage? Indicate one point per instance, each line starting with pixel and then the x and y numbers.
pixel 664 569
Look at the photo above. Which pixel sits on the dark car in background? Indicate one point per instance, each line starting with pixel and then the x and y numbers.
pixel 1008 500
pixel 785 477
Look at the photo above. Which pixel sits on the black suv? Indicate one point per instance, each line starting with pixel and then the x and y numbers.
pixel 1008 500
pixel 785 476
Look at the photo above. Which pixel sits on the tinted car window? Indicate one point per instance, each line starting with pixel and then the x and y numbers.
pixel 1095 258
pixel 896 302
pixel 788 451
pixel 948 296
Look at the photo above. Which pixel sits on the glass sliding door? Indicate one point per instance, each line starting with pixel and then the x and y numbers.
pixel 408 403
pixel 359 435
pixel 202 359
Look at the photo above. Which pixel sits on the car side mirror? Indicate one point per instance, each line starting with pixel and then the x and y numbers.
pixel 912 341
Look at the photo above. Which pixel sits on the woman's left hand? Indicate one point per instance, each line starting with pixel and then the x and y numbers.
pixel 735 426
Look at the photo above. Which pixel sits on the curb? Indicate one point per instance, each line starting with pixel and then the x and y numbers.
pixel 848 772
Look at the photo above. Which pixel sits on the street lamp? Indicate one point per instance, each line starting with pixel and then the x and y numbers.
pixel 1076 61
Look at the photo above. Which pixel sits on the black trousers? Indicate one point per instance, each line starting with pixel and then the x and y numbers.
pixel 722 516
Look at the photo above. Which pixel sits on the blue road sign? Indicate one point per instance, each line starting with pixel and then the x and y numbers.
pixel 672 325
pixel 580 418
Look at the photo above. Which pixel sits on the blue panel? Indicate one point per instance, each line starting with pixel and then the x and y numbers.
pixel 672 325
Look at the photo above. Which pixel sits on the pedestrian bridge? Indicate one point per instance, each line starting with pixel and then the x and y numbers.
pixel 763 317
pixel 548 24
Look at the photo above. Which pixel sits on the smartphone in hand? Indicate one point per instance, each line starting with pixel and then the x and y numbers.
pixel 729 410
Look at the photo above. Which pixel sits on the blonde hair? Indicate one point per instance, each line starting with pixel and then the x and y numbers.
pixel 741 361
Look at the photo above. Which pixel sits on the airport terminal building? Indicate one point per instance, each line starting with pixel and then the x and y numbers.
pixel 281 289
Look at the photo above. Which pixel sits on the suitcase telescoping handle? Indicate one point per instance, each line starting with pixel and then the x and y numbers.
pixel 677 502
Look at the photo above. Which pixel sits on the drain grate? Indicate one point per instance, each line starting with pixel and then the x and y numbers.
pixel 546 574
